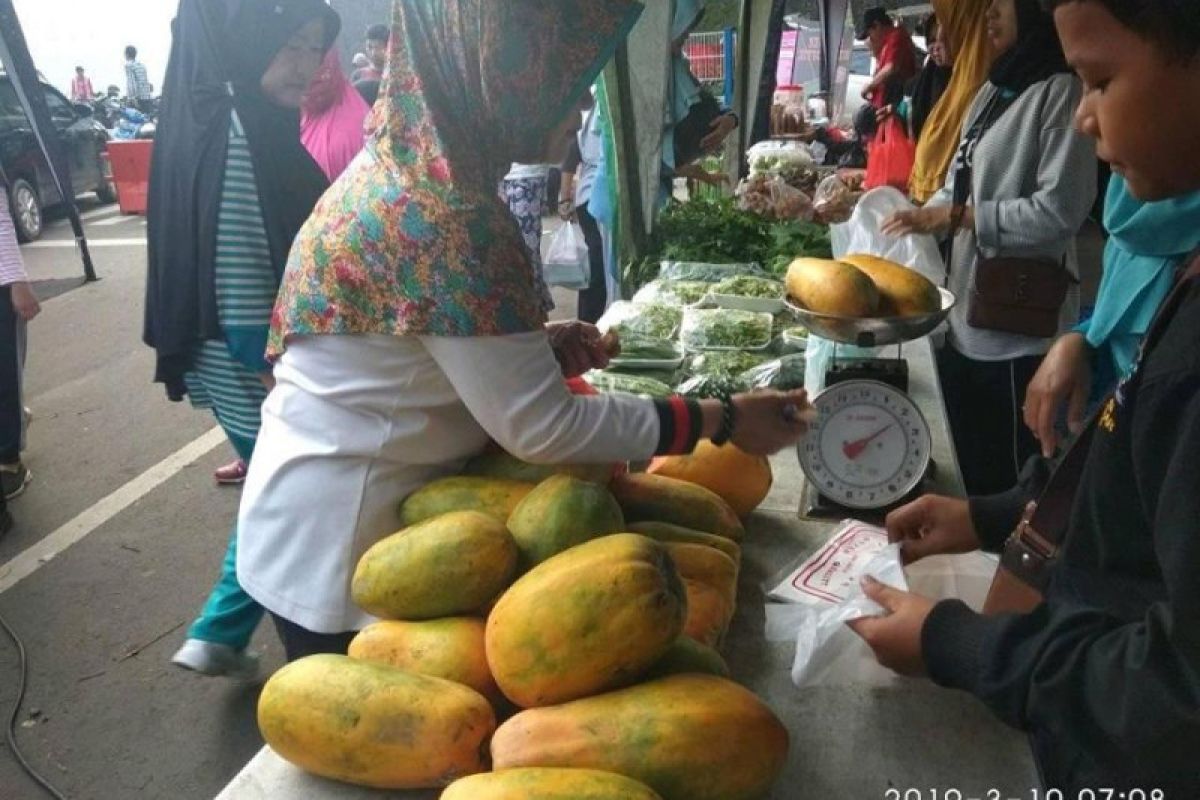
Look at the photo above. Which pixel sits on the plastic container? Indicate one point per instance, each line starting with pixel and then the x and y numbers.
pixel 697 332
pixel 130 161
pixel 761 305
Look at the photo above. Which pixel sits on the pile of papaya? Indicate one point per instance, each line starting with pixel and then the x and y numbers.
pixel 859 286
pixel 545 633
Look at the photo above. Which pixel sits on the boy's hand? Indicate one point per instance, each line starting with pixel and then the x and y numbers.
pixel 896 637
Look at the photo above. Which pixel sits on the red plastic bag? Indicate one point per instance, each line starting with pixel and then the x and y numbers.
pixel 890 157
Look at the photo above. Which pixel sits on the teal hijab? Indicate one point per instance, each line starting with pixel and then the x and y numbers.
pixel 1147 242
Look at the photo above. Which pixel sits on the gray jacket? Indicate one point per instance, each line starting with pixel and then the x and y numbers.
pixel 1033 184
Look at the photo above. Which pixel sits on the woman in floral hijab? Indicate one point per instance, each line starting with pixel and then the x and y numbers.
pixel 409 330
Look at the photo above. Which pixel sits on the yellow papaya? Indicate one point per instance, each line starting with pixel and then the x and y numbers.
pixel 553 783
pixel 666 532
pixel 446 566
pixel 492 496
pixel 657 498
pixel 374 725
pixel 686 655
pixel 450 648
pixel 708 613
pixel 501 464
pixel 687 737
pixel 903 292
pixel 832 287
pixel 589 619
pixel 560 513
pixel 740 479
pixel 706 565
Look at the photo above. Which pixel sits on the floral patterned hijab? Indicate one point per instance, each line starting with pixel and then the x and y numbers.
pixel 413 239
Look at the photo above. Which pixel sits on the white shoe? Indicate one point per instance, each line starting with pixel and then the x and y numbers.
pixel 216 660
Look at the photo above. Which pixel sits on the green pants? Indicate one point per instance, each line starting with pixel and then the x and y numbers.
pixel 230 615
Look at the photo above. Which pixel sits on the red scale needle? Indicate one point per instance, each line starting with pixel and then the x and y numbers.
pixel 852 450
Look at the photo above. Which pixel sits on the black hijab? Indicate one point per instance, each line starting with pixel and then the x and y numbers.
pixel 1037 54
pixel 220 51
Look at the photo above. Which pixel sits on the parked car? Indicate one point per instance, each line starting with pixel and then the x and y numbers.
pixel 31 187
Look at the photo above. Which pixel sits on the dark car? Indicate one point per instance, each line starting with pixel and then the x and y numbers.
pixel 31 188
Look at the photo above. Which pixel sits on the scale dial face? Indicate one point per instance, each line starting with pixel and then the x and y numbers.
pixel 869 447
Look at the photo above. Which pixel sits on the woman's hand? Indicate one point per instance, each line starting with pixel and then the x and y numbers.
pixel 24 301
pixel 1064 378
pixel 767 422
pixel 932 526
pixel 579 347
pixel 720 129
pixel 895 638
pixel 566 210
pixel 934 221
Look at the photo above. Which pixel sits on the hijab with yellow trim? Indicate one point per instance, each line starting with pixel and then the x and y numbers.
pixel 412 239
pixel 966 31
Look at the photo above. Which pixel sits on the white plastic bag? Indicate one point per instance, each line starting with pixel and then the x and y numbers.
pixel 828 653
pixel 567 264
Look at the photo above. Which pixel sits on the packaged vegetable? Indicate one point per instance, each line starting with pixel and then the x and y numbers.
pixel 774 198
pixel 635 347
pixel 710 386
pixel 725 329
pixel 784 374
pixel 750 286
pixel 667 376
pixel 706 273
pixel 723 363
pixel 672 293
pixel 609 382
pixel 656 320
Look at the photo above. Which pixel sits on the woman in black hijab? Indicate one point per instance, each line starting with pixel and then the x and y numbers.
pixel 230 186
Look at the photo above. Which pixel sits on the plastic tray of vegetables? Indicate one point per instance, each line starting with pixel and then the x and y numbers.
pixel 653 320
pixel 784 374
pixel 646 352
pixel 627 383
pixel 725 329
pixel 672 293
pixel 749 293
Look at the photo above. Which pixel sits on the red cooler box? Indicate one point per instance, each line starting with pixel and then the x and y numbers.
pixel 130 162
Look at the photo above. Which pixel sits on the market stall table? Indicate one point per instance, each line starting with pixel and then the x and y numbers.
pixel 847 743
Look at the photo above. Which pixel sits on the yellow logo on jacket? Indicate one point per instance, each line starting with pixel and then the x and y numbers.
pixel 1108 416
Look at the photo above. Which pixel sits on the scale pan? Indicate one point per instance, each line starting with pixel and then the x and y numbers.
pixel 873 331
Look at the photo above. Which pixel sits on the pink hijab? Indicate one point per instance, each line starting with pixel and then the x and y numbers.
pixel 331 125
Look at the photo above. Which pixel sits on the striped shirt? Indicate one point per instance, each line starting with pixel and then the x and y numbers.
pixel 12 266
pixel 137 84
pixel 245 287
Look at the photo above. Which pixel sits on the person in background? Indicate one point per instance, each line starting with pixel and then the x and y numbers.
pixel 895 57
pixel 962 25
pixel 138 89
pixel 360 61
pixel 1147 243
pixel 524 190
pixel 1103 674
pixel 18 305
pixel 376 55
pixel 923 92
pixel 81 87
pixel 332 119
pixel 580 172
pixel 409 329
pixel 230 185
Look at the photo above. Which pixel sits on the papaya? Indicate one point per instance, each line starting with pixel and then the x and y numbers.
pixel 450 648
pixel 666 532
pixel 742 480
pixel 589 619
pixel 495 497
pixel 560 513
pixel 706 565
pixel 903 292
pixel 657 498
pixel 552 783
pixel 374 725
pixel 501 464
pixel 686 655
pixel 832 287
pixel 708 613
pixel 687 737
pixel 446 566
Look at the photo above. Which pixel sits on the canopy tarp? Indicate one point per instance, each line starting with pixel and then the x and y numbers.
pixel 14 53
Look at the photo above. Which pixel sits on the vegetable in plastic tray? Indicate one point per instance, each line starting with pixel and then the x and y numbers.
pixel 710 386
pixel 751 286
pixel 723 363
pixel 705 273
pixel 647 348
pixel 654 320
pixel 629 384
pixel 725 329
pixel 672 293
pixel 784 374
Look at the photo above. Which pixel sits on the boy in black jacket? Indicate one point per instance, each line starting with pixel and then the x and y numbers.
pixel 1105 673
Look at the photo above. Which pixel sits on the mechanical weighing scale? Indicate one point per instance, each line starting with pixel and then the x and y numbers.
pixel 869 450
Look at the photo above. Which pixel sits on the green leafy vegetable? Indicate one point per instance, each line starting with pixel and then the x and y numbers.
pixel 784 374
pixel 751 286
pixel 723 363
pixel 647 348
pixel 629 384
pixel 725 328
pixel 710 386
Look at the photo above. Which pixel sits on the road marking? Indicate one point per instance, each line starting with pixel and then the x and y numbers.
pixel 117 220
pixel 100 212
pixel 34 558
pixel 92 243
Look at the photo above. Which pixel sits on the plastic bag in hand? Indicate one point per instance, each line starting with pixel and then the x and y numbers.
pixel 567 263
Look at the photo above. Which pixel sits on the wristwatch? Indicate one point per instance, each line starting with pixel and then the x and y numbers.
pixel 728 421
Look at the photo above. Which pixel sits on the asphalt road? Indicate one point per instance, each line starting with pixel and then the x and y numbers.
pixel 121 542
